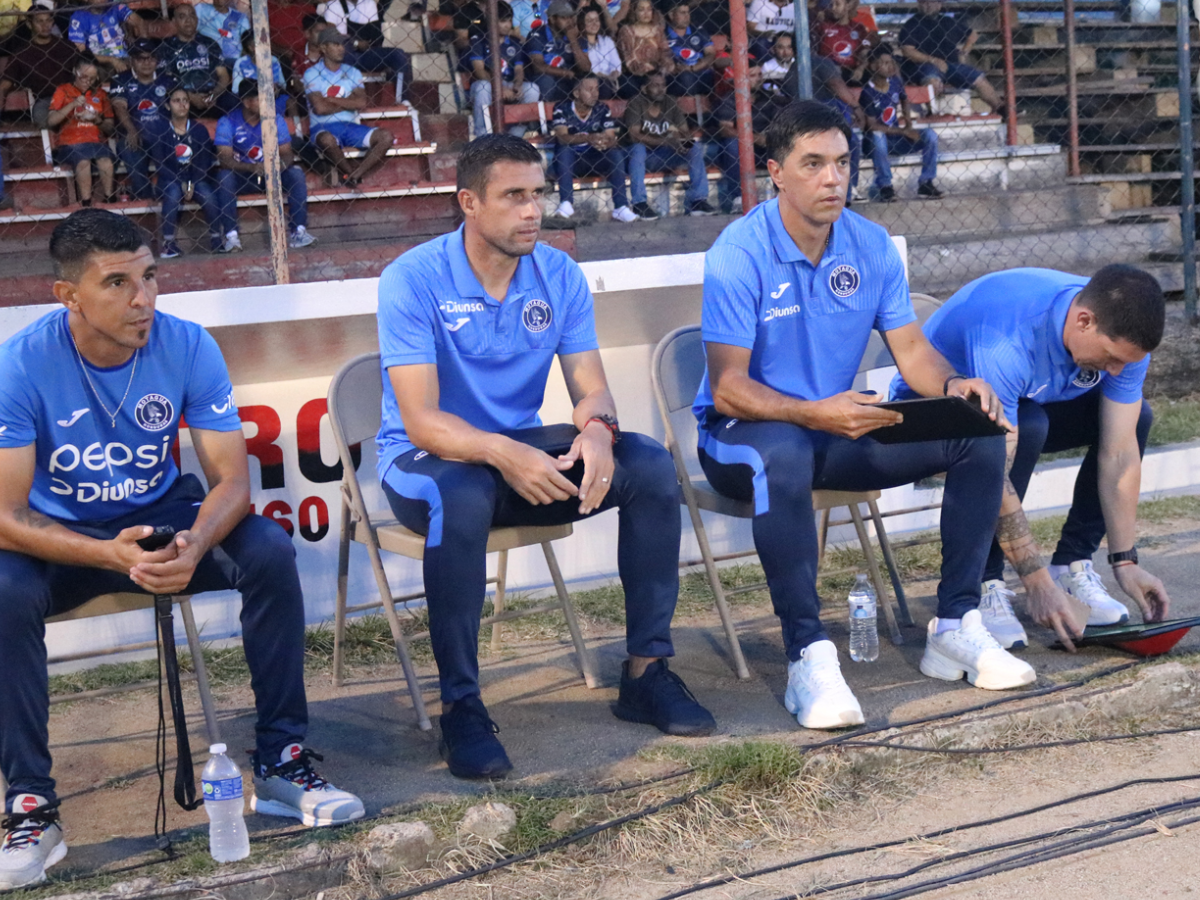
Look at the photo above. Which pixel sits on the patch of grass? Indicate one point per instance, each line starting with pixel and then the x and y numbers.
pixel 1166 509
pixel 754 766
pixel 1175 421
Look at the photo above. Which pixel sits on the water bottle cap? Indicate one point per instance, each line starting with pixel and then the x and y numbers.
pixel 214 749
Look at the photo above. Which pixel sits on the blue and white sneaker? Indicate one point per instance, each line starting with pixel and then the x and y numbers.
pixel 1082 582
pixel 170 250
pixel 33 842
pixel 995 607
pixel 292 788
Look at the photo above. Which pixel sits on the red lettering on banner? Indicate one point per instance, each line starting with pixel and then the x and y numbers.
pixel 278 511
pixel 263 446
pixel 308 444
pixel 313 508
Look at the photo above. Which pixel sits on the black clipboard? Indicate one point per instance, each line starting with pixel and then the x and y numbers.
pixel 935 419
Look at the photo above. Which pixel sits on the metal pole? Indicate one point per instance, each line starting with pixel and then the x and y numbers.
pixel 494 65
pixel 1187 186
pixel 1010 82
pixel 1072 92
pixel 270 137
pixel 803 48
pixel 741 94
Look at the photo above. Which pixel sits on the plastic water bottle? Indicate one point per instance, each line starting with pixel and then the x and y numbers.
pixel 222 783
pixel 864 635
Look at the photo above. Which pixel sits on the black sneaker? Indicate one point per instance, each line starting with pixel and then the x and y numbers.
pixel 644 211
pixel 469 744
pixel 887 194
pixel 701 208
pixel 660 698
pixel 928 191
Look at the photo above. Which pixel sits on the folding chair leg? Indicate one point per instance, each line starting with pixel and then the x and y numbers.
pixel 339 615
pixel 498 603
pixel 206 700
pixel 389 612
pixel 873 568
pixel 586 663
pixel 822 535
pixel 885 547
pixel 714 582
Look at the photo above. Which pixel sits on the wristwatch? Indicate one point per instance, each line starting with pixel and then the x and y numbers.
pixel 609 422
pixel 1129 555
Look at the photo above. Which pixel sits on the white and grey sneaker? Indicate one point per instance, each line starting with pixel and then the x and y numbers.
pixel 971 650
pixel 817 694
pixel 33 842
pixel 233 243
pixel 292 788
pixel 300 238
pixel 624 214
pixel 995 607
pixel 565 210
pixel 1082 582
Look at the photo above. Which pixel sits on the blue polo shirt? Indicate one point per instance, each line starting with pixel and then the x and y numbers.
pixel 555 49
pixel 492 357
pixel 1007 327
pixel 688 48
pixel 806 326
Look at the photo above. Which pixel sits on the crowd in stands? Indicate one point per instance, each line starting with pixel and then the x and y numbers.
pixel 100 78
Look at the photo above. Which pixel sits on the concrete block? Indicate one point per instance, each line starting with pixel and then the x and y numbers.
pixel 447 102
pixel 488 822
pixel 1045 35
pixel 398 846
pixel 431 67
pixel 1125 195
pixel 1166 105
pixel 1085 59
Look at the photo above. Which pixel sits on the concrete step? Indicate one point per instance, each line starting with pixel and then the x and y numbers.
pixel 1010 168
pixel 941 267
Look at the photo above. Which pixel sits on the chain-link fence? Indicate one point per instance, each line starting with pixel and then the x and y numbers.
pixel 993 134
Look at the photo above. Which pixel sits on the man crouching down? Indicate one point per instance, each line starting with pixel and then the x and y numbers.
pixel 91 397
pixel 469 324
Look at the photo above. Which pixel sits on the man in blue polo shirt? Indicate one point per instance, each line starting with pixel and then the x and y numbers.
pixel 693 52
pixel 554 53
pixel 91 400
pixel 791 293
pixel 139 100
pixel 469 325
pixel 585 135
pixel 1067 356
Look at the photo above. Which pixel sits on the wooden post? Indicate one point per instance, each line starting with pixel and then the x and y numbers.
pixel 495 64
pixel 1072 91
pixel 741 93
pixel 270 138
pixel 1007 18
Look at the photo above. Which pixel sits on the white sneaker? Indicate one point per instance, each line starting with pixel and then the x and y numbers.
pixel 292 788
pixel 817 694
pixel 300 238
pixel 33 844
pixel 972 651
pixel 995 607
pixel 1082 582
pixel 233 243
pixel 624 214
pixel 565 210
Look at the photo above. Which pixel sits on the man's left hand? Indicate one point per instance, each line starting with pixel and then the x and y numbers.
pixel 966 388
pixel 1145 589
pixel 594 446
pixel 173 576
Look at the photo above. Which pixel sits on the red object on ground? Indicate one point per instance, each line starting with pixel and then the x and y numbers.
pixel 1156 644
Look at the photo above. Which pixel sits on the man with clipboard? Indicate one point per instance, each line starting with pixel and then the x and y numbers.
pixel 1067 356
pixel 791 293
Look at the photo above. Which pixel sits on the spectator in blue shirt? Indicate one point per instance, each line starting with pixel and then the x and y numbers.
pixel 336 94
pixel 792 291
pixel 469 326
pixel 246 69
pixel 196 63
pixel 693 52
pixel 224 26
pixel 512 73
pixel 139 99
pixel 586 123
pixel 183 155
pixel 554 53
pixel 240 154
pixel 105 29
pixel 933 45
pixel 891 133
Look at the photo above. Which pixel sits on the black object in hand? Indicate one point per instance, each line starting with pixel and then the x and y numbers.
pixel 157 539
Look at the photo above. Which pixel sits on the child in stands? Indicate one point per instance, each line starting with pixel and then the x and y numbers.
pixel 890 123
pixel 82 115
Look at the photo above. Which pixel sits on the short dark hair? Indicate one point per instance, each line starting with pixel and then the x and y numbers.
pixel 503 11
pixel 880 51
pixel 477 159
pixel 783 34
pixel 89 231
pixel 309 20
pixel 800 119
pixel 178 6
pixel 1128 304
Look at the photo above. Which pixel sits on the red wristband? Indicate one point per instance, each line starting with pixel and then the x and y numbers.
pixel 612 430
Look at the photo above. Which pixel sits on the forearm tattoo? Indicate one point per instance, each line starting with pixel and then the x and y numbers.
pixel 32 518
pixel 1012 530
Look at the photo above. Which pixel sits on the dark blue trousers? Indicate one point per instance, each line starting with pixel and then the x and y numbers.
pixel 582 159
pixel 230 184
pixel 1052 428
pixel 257 559
pixel 777 466
pixel 455 504
pixel 207 195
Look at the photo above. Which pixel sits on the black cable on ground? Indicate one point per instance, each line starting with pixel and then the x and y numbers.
pixel 1017 748
pixel 931 835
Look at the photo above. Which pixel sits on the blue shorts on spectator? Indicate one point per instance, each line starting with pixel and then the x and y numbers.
pixel 347 134
pixel 73 154
pixel 957 75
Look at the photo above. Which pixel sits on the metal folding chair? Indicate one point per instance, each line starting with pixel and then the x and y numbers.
pixel 676 370
pixel 355 397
